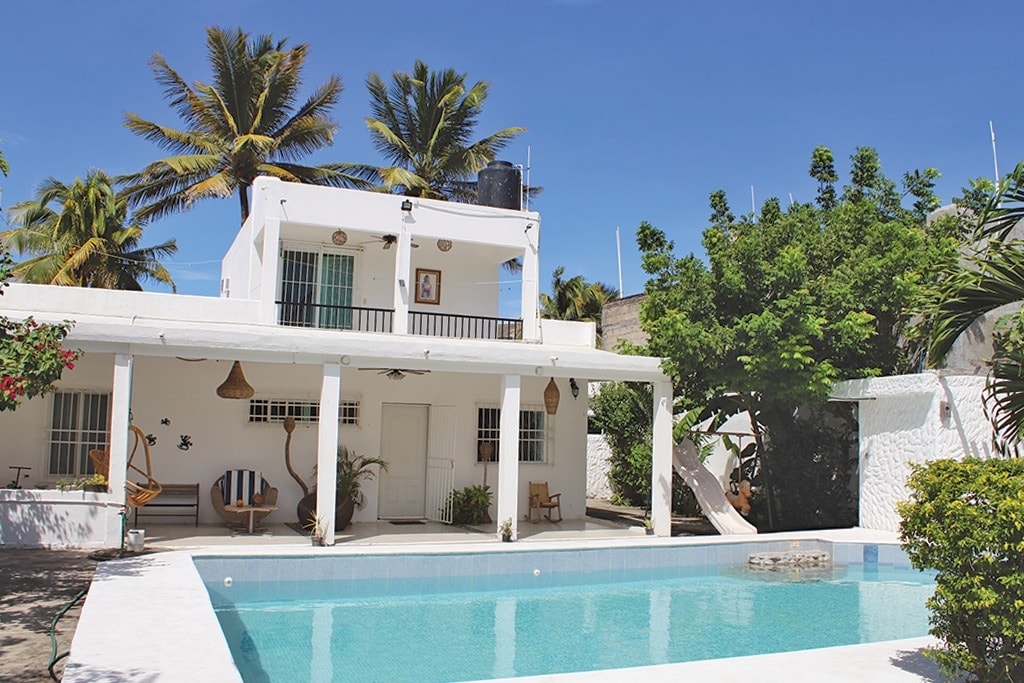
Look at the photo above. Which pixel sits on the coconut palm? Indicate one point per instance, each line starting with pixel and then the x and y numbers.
pixel 243 125
pixel 4 168
pixel 81 235
pixel 423 123
pixel 576 299
pixel 990 280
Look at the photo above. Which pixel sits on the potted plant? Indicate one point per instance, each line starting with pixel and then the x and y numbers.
pixel 471 505
pixel 96 482
pixel 352 471
pixel 648 526
pixel 315 528
pixel 506 531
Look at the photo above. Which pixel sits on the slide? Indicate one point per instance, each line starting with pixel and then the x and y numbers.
pixel 708 491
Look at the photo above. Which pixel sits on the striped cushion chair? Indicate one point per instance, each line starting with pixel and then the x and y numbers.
pixel 235 485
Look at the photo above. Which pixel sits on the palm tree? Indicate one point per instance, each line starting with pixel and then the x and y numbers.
pixel 80 235
pixel 243 125
pixel 989 280
pixel 576 299
pixel 4 168
pixel 423 125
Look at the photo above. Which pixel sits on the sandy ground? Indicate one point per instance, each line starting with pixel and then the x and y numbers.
pixel 34 586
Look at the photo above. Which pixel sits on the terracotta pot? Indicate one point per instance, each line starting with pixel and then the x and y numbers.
pixel 343 511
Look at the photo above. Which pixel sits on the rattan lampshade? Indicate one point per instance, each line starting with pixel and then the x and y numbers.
pixel 235 385
pixel 551 395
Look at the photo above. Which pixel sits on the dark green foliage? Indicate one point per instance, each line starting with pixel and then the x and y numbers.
pixel 966 521
pixel 624 413
pixel 470 505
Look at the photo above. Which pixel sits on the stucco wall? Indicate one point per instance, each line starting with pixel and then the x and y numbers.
pixel 58 519
pixel 598 466
pixel 902 422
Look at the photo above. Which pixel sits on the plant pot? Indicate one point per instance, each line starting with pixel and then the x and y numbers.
pixel 506 539
pixel 343 511
pixel 96 488
pixel 649 532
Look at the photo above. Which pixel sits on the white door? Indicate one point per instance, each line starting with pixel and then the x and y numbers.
pixel 403 446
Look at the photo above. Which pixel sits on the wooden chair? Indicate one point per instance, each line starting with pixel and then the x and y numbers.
pixel 243 486
pixel 540 500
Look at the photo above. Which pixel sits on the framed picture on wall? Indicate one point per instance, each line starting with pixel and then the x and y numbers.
pixel 428 286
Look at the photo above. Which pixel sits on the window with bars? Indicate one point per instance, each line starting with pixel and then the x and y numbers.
pixel 316 288
pixel 79 423
pixel 275 410
pixel 534 433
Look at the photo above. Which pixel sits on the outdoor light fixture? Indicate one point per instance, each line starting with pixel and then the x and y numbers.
pixel 406 205
pixel 574 388
pixel 235 385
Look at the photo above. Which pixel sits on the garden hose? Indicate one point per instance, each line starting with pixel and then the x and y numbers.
pixel 54 657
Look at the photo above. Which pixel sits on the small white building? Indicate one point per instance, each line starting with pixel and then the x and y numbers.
pixel 376 308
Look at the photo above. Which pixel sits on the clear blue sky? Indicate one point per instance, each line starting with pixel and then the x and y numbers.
pixel 635 111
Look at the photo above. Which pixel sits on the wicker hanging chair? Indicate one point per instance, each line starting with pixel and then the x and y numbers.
pixel 136 494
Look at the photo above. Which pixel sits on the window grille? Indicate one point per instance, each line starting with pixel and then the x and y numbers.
pixel 534 432
pixel 304 411
pixel 316 288
pixel 78 424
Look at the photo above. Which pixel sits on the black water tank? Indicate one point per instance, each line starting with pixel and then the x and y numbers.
pixel 500 184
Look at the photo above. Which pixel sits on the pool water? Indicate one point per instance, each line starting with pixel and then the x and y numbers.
pixel 365 630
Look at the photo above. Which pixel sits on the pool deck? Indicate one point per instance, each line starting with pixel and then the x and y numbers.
pixel 148 617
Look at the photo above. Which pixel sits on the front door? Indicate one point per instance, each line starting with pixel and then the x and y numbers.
pixel 403 445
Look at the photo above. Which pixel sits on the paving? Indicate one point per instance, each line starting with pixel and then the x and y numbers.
pixel 34 586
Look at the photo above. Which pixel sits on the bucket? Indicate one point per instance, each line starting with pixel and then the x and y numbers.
pixel 136 540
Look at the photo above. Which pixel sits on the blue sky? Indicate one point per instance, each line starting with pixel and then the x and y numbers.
pixel 635 111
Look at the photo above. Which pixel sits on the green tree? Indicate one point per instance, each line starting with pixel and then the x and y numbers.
pixel 81 235
pixel 576 299
pixel 789 302
pixel 991 278
pixel 4 168
pixel 243 125
pixel 422 123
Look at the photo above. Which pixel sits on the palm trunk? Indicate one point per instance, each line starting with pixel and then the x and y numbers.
pixel 243 200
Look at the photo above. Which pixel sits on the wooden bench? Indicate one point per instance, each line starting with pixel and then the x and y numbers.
pixel 182 498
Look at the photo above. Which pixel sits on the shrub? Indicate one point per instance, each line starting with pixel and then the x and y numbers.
pixel 966 521
pixel 471 505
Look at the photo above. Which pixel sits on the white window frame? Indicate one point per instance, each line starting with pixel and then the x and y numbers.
pixel 305 411
pixel 69 438
pixel 529 439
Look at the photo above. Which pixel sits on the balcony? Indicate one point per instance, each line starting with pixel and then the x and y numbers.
pixel 362 319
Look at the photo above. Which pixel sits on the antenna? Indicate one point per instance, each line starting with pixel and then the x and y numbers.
pixel 753 206
pixel 791 202
pixel 995 159
pixel 618 250
pixel 528 177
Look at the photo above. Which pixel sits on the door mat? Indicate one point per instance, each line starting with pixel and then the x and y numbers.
pixel 399 522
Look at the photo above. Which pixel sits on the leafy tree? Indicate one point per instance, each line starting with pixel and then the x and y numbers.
pixel 576 299
pixel 4 168
pixel 32 357
pixel 422 123
pixel 966 521
pixel 789 302
pixel 243 125
pixel 991 278
pixel 80 235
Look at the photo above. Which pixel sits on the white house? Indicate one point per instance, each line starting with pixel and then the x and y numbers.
pixel 379 309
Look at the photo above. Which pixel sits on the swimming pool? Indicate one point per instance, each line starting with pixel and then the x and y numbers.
pixel 488 615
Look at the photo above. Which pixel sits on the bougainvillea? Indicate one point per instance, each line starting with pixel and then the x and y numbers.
pixel 32 356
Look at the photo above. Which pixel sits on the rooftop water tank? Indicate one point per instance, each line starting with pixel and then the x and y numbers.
pixel 500 184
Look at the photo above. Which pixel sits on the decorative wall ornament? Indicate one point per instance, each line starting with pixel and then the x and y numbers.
pixel 427 286
pixel 339 237
pixel 165 421
pixel 235 385
pixel 151 439
pixel 551 395
pixel 185 443
pixel 444 245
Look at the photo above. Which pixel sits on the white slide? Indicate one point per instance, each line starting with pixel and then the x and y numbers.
pixel 708 491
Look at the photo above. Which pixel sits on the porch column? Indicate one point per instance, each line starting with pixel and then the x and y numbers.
pixel 661 460
pixel 327 449
pixel 508 455
pixel 120 406
pixel 269 276
pixel 403 265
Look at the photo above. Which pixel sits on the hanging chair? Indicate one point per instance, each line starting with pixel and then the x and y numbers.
pixel 137 495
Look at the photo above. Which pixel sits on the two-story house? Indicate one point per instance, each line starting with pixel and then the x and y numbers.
pixel 377 311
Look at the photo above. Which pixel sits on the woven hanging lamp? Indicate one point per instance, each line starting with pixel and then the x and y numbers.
pixel 235 385
pixel 551 395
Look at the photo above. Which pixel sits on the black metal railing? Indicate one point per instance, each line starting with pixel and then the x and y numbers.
pixel 464 326
pixel 332 317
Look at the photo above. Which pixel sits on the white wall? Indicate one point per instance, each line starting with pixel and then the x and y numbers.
pixel 598 466
pixel 901 424
pixel 184 393
pixel 58 519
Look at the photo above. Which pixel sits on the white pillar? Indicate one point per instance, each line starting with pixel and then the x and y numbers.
pixel 531 282
pixel 327 449
pixel 508 454
pixel 403 282
pixel 271 287
pixel 121 403
pixel 661 460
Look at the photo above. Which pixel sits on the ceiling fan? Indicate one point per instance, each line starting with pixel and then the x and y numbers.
pixel 389 241
pixel 396 373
